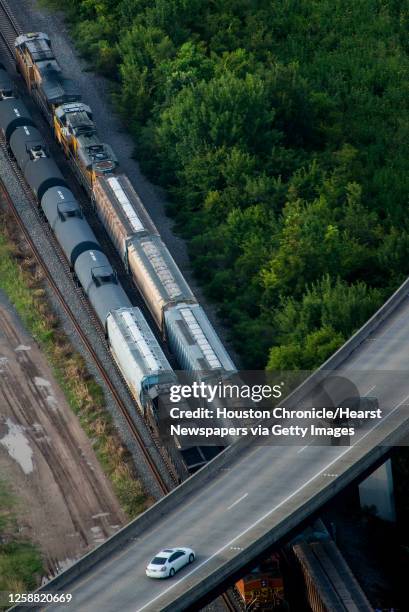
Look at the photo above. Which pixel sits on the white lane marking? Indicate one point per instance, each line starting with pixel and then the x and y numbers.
pixel 369 390
pixel 302 449
pixel 237 501
pixel 271 511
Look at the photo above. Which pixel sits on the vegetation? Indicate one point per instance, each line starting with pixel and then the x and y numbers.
pixel 20 561
pixel 21 279
pixel 280 130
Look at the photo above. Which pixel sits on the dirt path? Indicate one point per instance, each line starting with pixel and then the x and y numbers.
pixel 66 503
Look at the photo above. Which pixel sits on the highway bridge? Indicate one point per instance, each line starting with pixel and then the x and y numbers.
pixel 250 496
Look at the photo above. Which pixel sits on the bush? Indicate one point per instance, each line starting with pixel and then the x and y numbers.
pixel 280 130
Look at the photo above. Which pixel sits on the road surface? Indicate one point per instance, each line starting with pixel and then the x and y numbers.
pixel 265 488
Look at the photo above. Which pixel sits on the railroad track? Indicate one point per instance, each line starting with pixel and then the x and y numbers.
pixel 230 600
pixel 9 30
pixel 122 407
pixel 9 26
pixel 172 471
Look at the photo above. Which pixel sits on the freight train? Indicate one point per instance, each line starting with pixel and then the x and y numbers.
pixel 181 320
pixel 133 345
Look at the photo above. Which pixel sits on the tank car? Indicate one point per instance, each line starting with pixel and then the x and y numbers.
pixel 40 171
pixel 6 84
pixel 157 276
pixel 36 62
pixel 65 218
pixel 26 143
pixel 13 114
pixel 100 283
pixel 194 341
pixel 121 211
pixel 42 174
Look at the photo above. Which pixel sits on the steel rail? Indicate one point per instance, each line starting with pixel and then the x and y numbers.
pixel 9 29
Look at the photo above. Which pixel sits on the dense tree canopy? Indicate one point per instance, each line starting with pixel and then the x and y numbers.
pixel 281 130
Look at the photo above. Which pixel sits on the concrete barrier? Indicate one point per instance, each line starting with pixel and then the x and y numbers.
pixel 136 527
pixel 207 473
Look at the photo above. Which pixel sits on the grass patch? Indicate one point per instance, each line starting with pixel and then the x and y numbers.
pixel 22 280
pixel 21 566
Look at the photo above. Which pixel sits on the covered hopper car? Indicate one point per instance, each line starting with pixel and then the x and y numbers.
pixel 194 341
pixel 121 212
pixel 138 355
pixel 157 276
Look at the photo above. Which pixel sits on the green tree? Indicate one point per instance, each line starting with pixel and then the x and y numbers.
pixel 281 131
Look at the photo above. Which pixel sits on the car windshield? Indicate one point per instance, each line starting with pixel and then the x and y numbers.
pixel 158 561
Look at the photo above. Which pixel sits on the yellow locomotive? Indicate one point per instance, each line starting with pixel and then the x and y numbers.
pixel 42 73
pixel 76 133
pixel 60 102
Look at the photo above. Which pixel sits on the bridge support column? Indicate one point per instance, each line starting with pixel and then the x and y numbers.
pixel 377 491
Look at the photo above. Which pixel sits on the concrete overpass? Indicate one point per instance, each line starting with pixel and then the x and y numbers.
pixel 251 496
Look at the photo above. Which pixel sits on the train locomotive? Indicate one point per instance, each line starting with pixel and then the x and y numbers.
pixel 45 81
pixel 133 345
pixel 60 103
pixel 75 131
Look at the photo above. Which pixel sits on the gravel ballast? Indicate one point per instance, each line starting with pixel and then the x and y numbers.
pixel 67 288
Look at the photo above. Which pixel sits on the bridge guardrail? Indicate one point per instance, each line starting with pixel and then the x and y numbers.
pixel 189 486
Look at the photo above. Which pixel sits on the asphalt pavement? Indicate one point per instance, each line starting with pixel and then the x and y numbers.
pixel 264 490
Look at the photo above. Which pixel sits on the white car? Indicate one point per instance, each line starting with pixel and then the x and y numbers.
pixel 169 561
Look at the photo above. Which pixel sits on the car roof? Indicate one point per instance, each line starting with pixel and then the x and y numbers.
pixel 167 552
